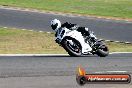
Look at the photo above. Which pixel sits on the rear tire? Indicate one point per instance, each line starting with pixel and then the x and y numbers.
pixel 71 51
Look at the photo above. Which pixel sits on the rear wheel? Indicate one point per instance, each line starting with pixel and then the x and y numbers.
pixel 72 46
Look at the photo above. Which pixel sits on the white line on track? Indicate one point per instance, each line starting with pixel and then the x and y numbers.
pixel 33 54
pixel 121 53
pixel 53 54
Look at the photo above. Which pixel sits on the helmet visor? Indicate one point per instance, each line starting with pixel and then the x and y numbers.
pixel 54 26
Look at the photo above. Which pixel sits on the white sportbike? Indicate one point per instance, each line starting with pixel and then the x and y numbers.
pixel 77 45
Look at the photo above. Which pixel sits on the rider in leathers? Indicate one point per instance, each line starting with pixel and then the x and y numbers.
pixel 56 24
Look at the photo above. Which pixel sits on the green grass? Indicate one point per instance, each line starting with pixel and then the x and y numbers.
pixel 22 41
pixel 16 41
pixel 111 8
pixel 119 47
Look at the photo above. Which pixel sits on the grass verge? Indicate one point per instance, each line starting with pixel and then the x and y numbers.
pixel 16 41
pixel 112 8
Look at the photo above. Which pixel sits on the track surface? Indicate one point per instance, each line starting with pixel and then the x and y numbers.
pixel 106 29
pixel 58 71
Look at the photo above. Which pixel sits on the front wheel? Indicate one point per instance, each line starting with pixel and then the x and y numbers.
pixel 72 46
pixel 103 51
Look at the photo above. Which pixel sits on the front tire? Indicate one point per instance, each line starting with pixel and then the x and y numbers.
pixel 103 51
pixel 73 50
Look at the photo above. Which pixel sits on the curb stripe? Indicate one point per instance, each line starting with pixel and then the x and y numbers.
pixel 117 41
pixel 100 39
pixel 60 13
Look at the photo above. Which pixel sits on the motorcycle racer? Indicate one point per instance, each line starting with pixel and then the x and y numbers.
pixel 56 24
pixel 78 41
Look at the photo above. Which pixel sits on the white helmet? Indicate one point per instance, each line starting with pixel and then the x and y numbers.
pixel 55 24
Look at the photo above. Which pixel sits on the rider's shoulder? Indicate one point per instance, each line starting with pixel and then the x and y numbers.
pixel 64 24
pixel 68 25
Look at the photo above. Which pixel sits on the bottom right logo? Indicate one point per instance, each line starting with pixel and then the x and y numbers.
pixel 83 78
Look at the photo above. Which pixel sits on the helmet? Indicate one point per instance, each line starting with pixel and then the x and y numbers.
pixel 55 24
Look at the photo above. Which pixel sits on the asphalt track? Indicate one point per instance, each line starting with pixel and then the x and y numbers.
pixel 59 71
pixel 103 28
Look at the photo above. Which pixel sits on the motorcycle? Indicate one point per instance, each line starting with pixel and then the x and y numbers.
pixel 77 45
